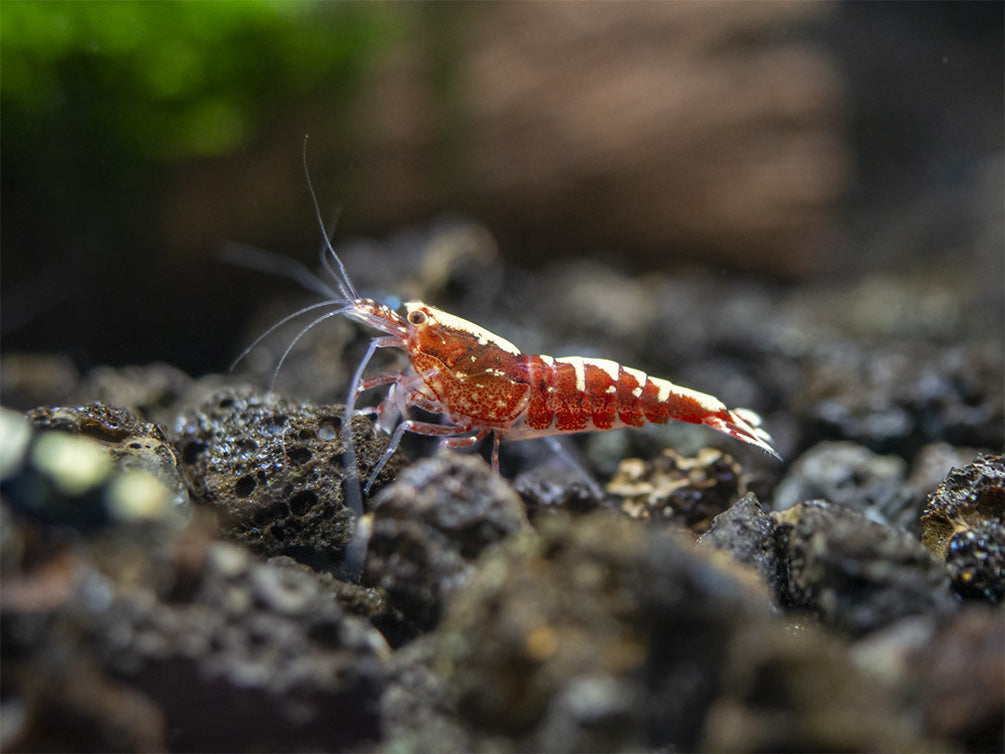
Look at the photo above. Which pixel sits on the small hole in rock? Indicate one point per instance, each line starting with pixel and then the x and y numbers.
pixel 302 502
pixel 299 455
pixel 190 453
pixel 245 486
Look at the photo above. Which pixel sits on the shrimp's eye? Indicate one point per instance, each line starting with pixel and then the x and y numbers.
pixel 417 317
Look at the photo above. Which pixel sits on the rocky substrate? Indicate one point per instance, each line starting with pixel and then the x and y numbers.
pixel 181 571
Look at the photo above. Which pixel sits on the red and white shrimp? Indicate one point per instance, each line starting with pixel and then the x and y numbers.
pixel 483 385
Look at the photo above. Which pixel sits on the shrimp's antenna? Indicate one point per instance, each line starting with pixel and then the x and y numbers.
pixel 355 554
pixel 342 279
pixel 323 254
pixel 254 258
pixel 282 322
pixel 316 321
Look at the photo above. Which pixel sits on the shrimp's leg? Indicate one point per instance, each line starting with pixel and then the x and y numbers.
pixel 353 498
pixel 467 442
pixel 419 428
pixel 464 442
pixel 391 407
pixel 355 555
pixel 376 381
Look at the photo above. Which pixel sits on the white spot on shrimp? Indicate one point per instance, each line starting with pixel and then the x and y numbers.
pixel 580 370
pixel 637 392
pixel 640 376
pixel 665 389
pixel 708 402
pixel 611 368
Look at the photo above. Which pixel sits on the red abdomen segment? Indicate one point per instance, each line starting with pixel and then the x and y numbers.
pixel 573 394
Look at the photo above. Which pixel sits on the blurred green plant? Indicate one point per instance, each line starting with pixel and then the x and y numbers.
pixel 165 81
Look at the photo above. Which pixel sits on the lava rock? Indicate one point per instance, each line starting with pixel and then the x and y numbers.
pixel 975 561
pixel 273 470
pixel 558 484
pixel 962 683
pixel 852 573
pixel 595 634
pixel 689 491
pixel 968 495
pixel 933 464
pixel 150 390
pixel 748 534
pixel 853 476
pixel 800 691
pixel 90 466
pixel 130 442
pixel 70 704
pixel 417 711
pixel 259 657
pixel 895 399
pixel 429 527
pixel 964 522
pixel 216 652
pixel 371 603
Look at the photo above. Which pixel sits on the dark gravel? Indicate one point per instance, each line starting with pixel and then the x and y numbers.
pixel 181 572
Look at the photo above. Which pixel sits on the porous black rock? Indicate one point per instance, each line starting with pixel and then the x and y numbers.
pixel 964 522
pixel 853 476
pixel 152 391
pixel 595 634
pixel 975 561
pixel 897 398
pixel 854 574
pixel 89 467
pixel 430 526
pixel 962 686
pixel 259 648
pixel 746 532
pixel 798 689
pixel 274 471
pixel 689 491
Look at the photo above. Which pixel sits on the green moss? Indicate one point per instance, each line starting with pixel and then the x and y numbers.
pixel 171 80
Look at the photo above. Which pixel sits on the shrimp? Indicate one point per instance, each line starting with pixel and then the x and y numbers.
pixel 482 385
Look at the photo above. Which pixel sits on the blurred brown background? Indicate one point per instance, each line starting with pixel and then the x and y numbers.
pixel 791 140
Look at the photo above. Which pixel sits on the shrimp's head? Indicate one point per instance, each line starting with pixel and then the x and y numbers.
pixel 473 372
pixel 450 339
